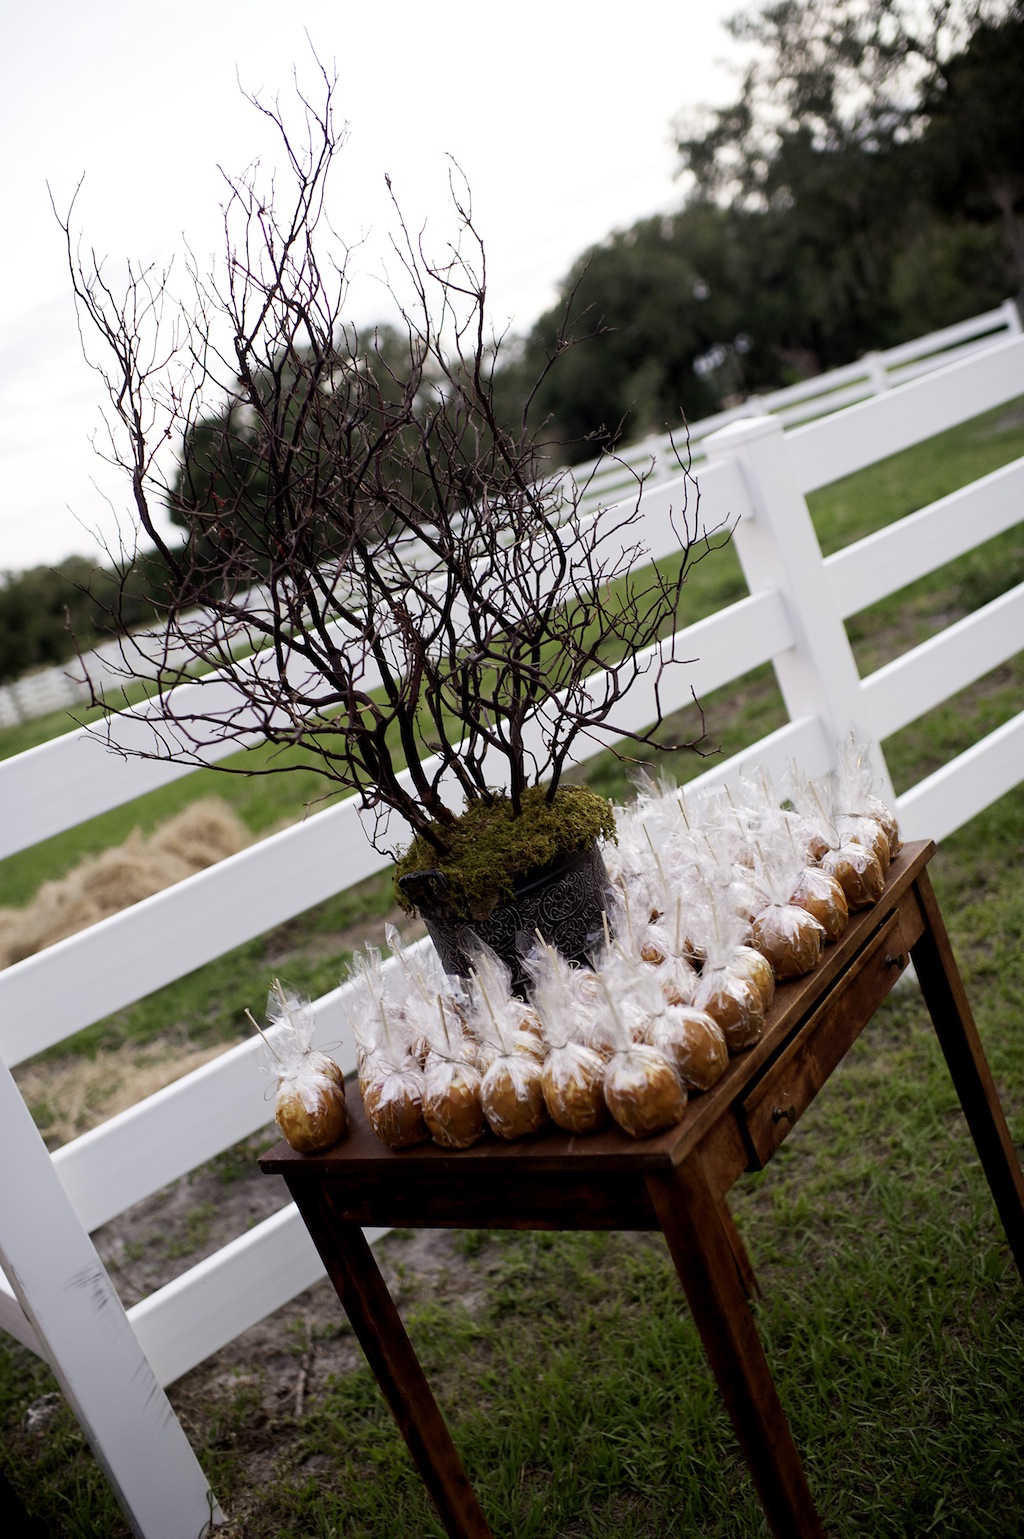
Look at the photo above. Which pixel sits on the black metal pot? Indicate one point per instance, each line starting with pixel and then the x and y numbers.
pixel 563 900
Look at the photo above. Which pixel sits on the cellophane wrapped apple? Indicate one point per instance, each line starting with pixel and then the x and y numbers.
pixel 714 897
pixel 309 1104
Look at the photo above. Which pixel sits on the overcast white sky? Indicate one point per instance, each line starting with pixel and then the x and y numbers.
pixel 558 112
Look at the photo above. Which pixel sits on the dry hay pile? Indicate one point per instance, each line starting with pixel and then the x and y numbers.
pixel 74 1094
pixel 103 884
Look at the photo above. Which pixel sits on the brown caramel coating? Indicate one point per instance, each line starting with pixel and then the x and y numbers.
pixel 394 1109
pixel 881 813
pixel 643 1091
pixel 734 1002
pixel 694 1043
pixel 312 1114
pixel 815 845
pixel 573 1083
pixel 823 898
pixel 790 938
pixel 870 833
pixel 858 874
pixel 452 1108
pixel 759 970
pixel 523 1043
pixel 512 1095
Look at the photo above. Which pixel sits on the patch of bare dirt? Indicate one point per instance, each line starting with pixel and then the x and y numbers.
pixel 286 1357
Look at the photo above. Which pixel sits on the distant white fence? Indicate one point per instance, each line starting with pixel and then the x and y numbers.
pixel 65 686
pixel 655 456
pixel 793 617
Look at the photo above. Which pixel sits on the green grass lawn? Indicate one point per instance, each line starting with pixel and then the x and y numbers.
pixel 574 1383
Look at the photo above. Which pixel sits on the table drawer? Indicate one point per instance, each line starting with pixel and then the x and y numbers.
pixel 791 1081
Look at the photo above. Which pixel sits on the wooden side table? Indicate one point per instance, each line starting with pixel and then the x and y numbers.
pixel 677 1181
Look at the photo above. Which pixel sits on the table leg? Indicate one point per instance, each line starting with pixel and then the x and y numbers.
pixel 955 1028
pixel 700 1243
pixel 748 1277
pixel 372 1314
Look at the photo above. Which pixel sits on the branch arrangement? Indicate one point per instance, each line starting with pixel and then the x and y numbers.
pixel 373 560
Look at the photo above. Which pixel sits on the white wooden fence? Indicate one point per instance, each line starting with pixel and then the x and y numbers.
pixel 56 1297
pixel 806 401
pixel 64 686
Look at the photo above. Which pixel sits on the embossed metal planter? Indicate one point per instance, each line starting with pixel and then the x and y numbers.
pixel 564 901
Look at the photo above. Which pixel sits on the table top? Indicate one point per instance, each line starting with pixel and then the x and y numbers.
pixel 361 1160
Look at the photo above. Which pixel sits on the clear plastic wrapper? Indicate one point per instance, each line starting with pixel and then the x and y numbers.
pixel 637 989
pixel 573 1073
pixel 390 1070
pixel 512 1095
pixel 644 1093
pixel 727 994
pixel 853 865
pixel 452 1107
pixel 857 872
pixel 564 997
pixel 822 896
pixel 760 972
pixel 812 821
pixel 875 808
pixel 628 861
pixel 789 938
pixel 527 1019
pixel 511 1056
pixel 858 788
pixel 572 1081
pixel 678 981
pixel 378 1022
pixel 859 828
pixel 309 1104
pixel 418 981
pixel 787 935
pixel 494 1019
pixel 393 1102
pixel 694 1043
pixel 662 809
pixel 733 1000
pixel 642 1090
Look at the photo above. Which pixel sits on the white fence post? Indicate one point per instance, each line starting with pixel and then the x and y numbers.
pixel 778 548
pixel 80 1322
pixel 877 376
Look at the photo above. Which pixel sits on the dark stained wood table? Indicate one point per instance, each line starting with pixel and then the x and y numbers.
pixel 676 1182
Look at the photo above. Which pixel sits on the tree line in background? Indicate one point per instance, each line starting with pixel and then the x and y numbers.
pixel 866 186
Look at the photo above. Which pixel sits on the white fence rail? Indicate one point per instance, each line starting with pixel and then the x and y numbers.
pixel 811 398
pixel 64 686
pixel 755 472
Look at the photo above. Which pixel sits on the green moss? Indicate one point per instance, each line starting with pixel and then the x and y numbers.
pixel 489 850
